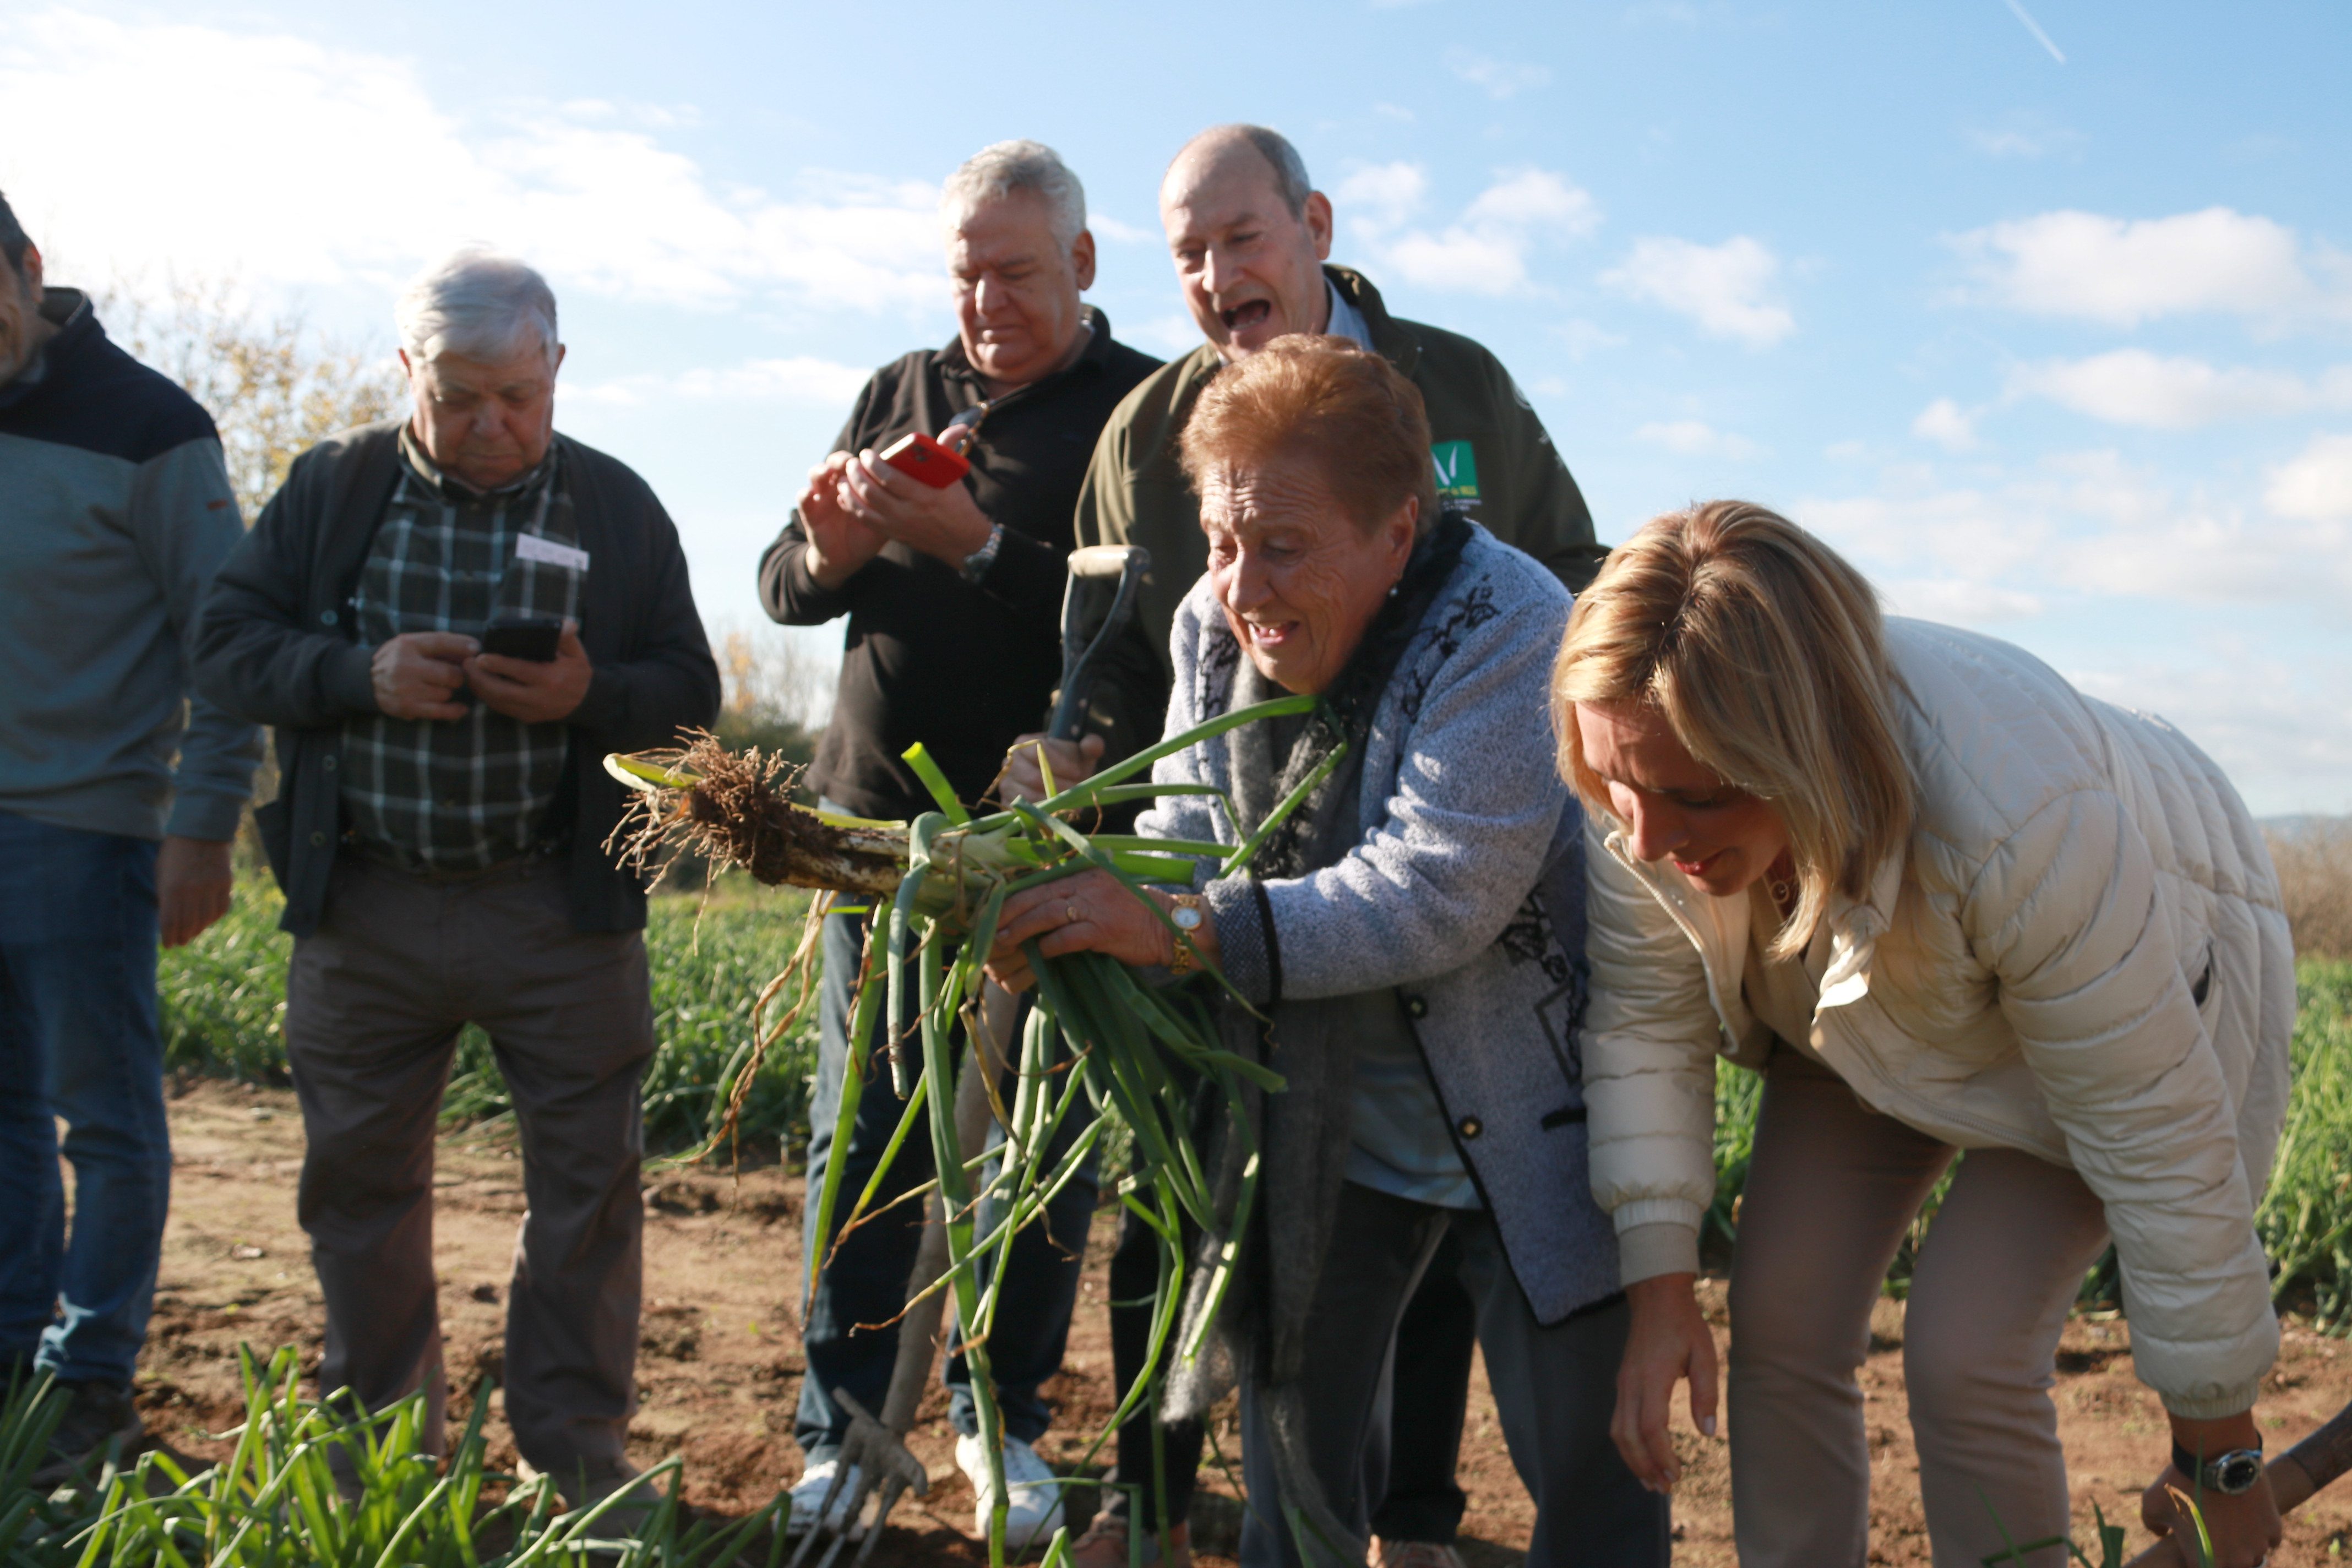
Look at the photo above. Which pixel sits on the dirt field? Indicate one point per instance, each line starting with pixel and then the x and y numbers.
pixel 721 1363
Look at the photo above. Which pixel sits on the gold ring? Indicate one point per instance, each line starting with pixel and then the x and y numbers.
pixel 1069 914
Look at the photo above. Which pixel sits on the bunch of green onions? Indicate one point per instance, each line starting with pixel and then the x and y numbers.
pixel 1096 1043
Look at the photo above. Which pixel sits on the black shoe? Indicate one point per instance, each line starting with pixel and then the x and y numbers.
pixel 101 1422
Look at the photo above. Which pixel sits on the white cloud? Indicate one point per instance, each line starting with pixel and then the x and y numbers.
pixel 2123 273
pixel 2009 143
pixel 1947 424
pixel 2132 387
pixel 1580 337
pixel 2025 135
pixel 1497 78
pixel 1383 194
pixel 2091 524
pixel 591 193
pixel 799 379
pixel 1108 227
pixel 1959 600
pixel 1534 198
pixel 1485 251
pixel 2316 486
pixel 1694 439
pixel 1726 290
pixel 2270 714
pixel 1173 334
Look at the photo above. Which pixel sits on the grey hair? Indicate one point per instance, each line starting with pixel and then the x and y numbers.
pixel 994 172
pixel 475 302
pixel 1289 169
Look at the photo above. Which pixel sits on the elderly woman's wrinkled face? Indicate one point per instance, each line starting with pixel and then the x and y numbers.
pixel 1673 807
pixel 1298 578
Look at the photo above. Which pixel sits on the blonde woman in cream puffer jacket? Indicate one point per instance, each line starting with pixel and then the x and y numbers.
pixel 2065 957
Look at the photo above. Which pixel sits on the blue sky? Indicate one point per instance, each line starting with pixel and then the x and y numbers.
pixel 2045 314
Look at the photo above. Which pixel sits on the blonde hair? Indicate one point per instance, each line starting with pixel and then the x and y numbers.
pixel 1765 652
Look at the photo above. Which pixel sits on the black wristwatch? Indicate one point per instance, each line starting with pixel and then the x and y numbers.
pixel 2228 1473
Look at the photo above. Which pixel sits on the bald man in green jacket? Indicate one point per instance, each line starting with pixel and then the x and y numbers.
pixel 1251 238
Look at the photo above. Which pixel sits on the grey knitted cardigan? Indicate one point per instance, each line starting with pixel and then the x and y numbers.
pixel 1466 894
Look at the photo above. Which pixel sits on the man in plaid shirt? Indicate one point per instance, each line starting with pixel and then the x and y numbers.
pixel 439 833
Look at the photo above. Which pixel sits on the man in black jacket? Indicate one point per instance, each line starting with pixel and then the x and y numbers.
pixel 952 596
pixel 438 832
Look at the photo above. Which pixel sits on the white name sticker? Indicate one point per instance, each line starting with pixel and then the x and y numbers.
pixel 531 547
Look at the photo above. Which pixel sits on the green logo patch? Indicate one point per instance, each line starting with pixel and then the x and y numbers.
pixel 1457 472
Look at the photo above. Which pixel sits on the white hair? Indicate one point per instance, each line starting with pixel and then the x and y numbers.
pixel 994 172
pixel 476 302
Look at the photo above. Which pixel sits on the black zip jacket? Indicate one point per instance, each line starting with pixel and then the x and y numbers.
pixel 962 667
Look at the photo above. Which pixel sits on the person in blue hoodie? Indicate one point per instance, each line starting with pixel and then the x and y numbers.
pixel 119 801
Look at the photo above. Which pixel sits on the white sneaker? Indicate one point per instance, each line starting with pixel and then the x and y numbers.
pixel 808 1496
pixel 1034 1508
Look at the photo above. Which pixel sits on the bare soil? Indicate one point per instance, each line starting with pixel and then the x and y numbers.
pixel 719 1365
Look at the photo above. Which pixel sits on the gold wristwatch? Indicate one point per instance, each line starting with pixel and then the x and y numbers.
pixel 1187 913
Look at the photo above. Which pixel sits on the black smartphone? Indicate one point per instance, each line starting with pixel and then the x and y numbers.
pixel 534 638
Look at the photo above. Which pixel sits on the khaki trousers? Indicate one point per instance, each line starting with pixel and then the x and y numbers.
pixel 374 1004
pixel 1832 1188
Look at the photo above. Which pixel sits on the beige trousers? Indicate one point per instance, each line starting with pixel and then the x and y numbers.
pixel 373 1002
pixel 1832 1188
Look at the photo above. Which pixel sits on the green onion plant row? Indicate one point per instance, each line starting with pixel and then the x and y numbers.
pixel 1097 1047
pixel 304 1487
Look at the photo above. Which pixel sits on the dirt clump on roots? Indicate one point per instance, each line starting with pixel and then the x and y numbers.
pixel 739 813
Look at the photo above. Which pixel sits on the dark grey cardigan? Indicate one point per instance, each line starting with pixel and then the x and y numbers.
pixel 276 646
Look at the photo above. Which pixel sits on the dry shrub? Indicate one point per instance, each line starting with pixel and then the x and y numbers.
pixel 2314 868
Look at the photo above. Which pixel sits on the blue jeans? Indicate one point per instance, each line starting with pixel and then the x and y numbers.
pixel 866 1282
pixel 78 1040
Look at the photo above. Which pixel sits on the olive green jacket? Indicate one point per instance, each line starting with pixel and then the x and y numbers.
pixel 1495 461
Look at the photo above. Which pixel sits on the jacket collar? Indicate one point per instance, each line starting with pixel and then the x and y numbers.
pixel 450 488
pixel 69 310
pixel 1397 342
pixel 955 366
pixel 1718 929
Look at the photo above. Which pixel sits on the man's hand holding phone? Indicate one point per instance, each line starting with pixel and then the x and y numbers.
pixel 417 674
pixel 536 691
pixel 838 542
pixel 945 523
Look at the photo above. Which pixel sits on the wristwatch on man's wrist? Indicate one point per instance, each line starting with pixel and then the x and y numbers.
pixel 1188 913
pixel 2229 1473
pixel 976 564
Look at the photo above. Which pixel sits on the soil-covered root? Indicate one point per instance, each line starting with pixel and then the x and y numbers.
pixel 734 808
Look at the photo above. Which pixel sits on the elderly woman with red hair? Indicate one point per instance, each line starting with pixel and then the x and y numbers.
pixel 1413 934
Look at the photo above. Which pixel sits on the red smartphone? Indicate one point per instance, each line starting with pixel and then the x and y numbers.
pixel 917 456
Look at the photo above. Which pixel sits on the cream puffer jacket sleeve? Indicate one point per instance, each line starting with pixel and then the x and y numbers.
pixel 2081 956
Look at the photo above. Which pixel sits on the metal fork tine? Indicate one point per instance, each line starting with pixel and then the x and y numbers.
pixel 822 1522
pixel 892 1489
